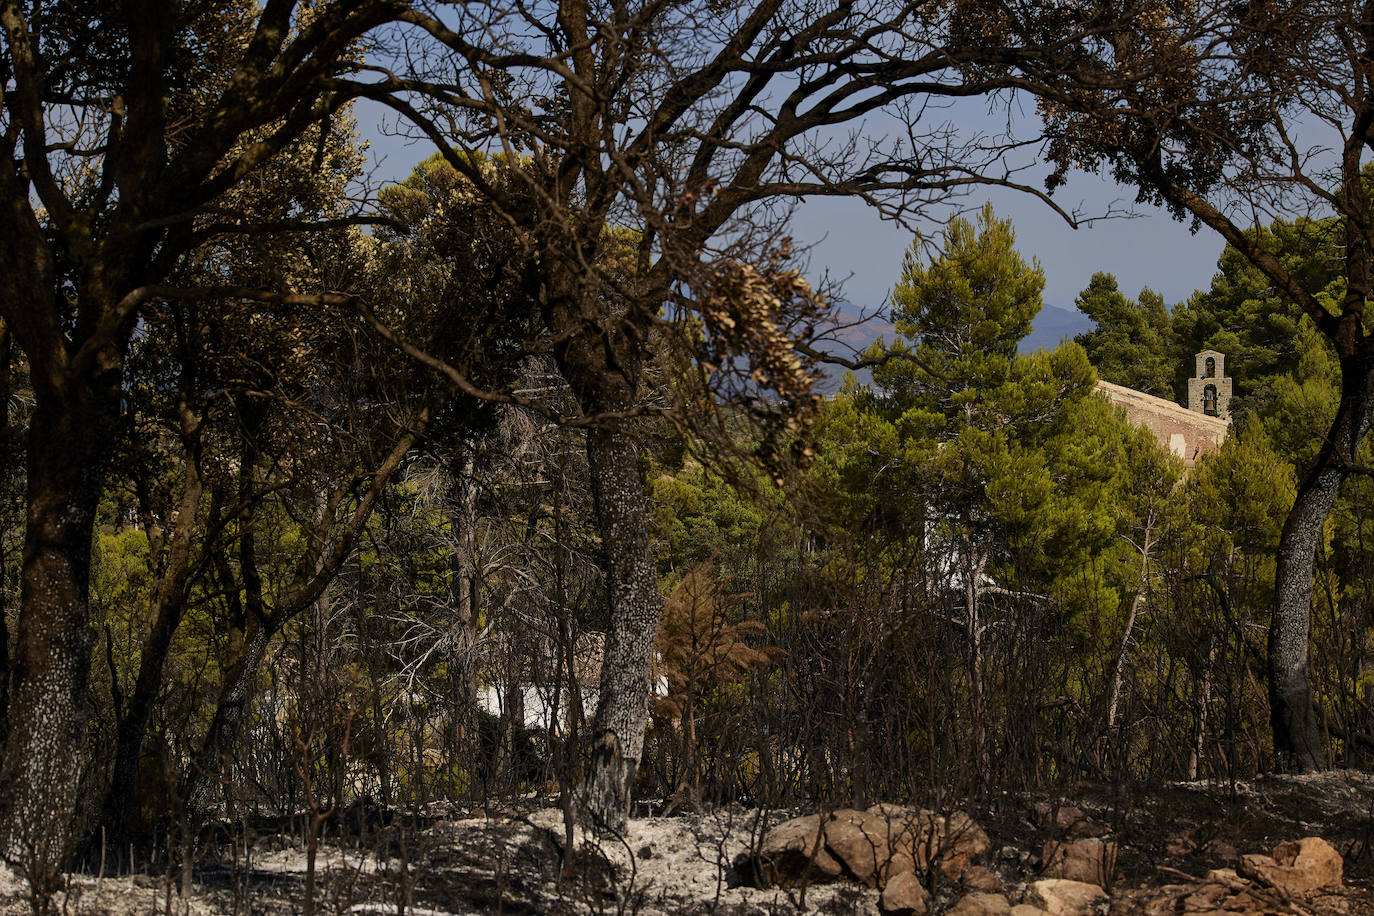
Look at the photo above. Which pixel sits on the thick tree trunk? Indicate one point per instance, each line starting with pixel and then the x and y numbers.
pixel 69 446
pixel 1297 737
pixel 636 609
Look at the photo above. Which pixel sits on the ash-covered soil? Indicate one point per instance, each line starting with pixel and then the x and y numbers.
pixel 519 862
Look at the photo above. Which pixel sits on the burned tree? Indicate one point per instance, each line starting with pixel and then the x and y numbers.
pixel 661 148
pixel 124 127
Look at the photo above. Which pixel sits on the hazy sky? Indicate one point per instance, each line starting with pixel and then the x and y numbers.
pixel 849 239
pixel 1151 249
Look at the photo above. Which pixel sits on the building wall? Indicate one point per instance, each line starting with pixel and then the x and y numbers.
pixel 1185 433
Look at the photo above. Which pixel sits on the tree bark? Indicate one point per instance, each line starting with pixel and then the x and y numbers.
pixel 70 438
pixel 636 608
pixel 1298 742
pixel 209 768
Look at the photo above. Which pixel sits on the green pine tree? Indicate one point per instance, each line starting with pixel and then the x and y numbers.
pixel 1131 343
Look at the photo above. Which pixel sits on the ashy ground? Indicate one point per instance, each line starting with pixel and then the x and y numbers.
pixel 516 862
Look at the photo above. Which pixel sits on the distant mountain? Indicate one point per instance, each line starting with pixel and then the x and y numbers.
pixel 1052 325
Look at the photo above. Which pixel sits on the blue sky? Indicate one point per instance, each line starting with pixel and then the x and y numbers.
pixel 850 242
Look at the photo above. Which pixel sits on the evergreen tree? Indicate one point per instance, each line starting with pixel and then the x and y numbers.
pixel 1244 315
pixel 1131 341
pixel 975 416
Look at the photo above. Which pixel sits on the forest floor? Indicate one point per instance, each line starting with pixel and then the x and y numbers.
pixel 513 864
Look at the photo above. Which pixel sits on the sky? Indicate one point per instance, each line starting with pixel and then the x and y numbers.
pixel 850 242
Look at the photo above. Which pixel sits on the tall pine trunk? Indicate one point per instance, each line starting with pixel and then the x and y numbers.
pixel 1297 737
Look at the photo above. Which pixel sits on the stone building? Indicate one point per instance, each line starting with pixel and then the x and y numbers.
pixel 1209 390
pixel 1188 432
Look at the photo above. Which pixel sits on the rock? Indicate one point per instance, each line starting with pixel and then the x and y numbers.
pixel 904 896
pixel 917 837
pixel 961 842
pixel 1062 897
pixel 980 905
pixel 1025 909
pixel 870 846
pixel 1315 858
pixel 1092 861
pixel 1222 850
pixel 978 878
pixel 1155 901
pixel 860 841
pixel 1065 819
pixel 1059 817
pixel 913 838
pixel 1181 844
pixel 792 853
pixel 1228 877
pixel 1295 869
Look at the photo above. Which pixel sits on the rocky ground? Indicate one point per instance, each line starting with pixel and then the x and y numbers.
pixel 1280 845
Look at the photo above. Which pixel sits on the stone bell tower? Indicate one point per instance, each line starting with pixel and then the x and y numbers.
pixel 1209 390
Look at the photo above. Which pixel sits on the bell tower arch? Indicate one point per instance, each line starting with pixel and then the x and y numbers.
pixel 1209 390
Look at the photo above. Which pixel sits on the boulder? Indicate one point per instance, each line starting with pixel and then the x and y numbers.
pixel 793 853
pixel 913 838
pixel 1049 815
pixel 872 846
pixel 978 878
pixel 917 837
pixel 980 905
pixel 860 841
pixel 1065 819
pixel 1220 849
pixel 961 842
pixel 1295 869
pixel 1062 897
pixel 1092 861
pixel 904 896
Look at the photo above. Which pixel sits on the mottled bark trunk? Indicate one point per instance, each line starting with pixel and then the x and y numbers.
pixel 1297 737
pixel 636 608
pixel 69 447
pixel 210 768
pixel 1202 701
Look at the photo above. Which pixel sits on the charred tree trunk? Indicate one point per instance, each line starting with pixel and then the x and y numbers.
pixel 1297 736
pixel 602 358
pixel 466 592
pixel 636 608
pixel 211 765
pixel 7 468
pixel 168 607
pixel 70 438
